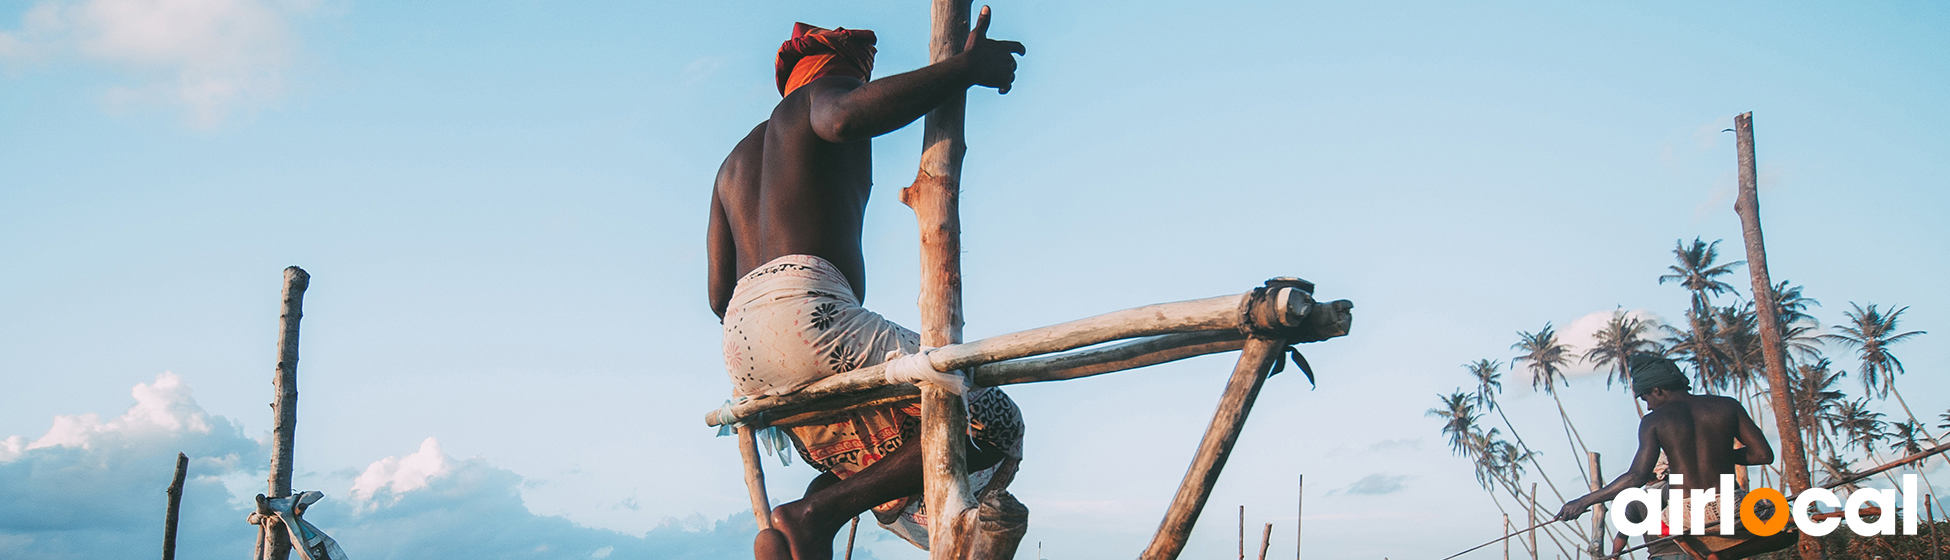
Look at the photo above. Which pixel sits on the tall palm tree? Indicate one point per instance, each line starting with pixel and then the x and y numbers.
pixel 1548 357
pixel 1864 427
pixel 1458 414
pixel 1504 457
pixel 1796 327
pixel 1815 399
pixel 1488 382
pixel 1871 332
pixel 1695 271
pixel 1614 346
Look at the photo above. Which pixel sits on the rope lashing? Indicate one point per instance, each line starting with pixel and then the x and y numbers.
pixel 770 438
pixel 1265 314
pixel 915 368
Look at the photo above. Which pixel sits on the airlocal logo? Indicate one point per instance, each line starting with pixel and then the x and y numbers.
pixel 1693 509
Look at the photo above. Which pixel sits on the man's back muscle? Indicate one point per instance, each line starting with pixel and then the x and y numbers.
pixel 815 191
pixel 1697 435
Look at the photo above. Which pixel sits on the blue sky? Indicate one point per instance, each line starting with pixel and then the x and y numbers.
pixel 502 205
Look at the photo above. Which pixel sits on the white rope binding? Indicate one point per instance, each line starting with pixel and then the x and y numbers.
pixel 915 368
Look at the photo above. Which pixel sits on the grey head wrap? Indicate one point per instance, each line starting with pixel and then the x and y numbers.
pixel 1653 372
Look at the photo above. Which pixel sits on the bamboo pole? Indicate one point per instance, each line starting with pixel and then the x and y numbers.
pixel 285 408
pixel 1175 331
pixel 175 493
pixel 1597 511
pixel 934 196
pixel 1247 379
pixel 755 477
pixel 1786 420
pixel 1265 540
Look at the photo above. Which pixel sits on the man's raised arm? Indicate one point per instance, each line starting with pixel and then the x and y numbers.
pixel 844 113
pixel 1641 472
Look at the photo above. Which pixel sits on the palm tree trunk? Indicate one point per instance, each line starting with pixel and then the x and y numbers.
pixel 1571 435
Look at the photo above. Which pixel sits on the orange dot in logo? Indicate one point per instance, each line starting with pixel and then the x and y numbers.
pixel 1753 523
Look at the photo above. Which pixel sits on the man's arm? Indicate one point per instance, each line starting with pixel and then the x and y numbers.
pixel 1642 465
pixel 723 256
pixel 1757 451
pixel 844 111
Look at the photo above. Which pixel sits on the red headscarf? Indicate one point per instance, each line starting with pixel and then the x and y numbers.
pixel 813 53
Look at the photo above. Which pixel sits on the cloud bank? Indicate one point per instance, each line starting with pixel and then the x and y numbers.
pixel 93 488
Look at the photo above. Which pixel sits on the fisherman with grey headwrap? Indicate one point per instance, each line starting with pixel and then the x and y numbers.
pixel 1702 438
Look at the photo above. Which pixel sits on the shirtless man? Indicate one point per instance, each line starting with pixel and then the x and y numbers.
pixel 787 276
pixel 1697 434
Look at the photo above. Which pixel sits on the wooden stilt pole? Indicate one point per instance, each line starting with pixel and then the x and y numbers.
pixel 935 198
pixel 1929 507
pixel 1597 511
pixel 1265 540
pixel 1793 459
pixel 1533 520
pixel 755 477
pixel 1242 532
pixel 1247 377
pixel 175 493
pixel 277 541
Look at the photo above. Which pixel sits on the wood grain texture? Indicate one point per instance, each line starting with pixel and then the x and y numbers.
pixel 285 408
pixel 1248 376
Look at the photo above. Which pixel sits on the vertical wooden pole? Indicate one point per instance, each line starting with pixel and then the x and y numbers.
pixel 175 493
pixel 1787 423
pixel 285 408
pixel 1255 360
pixel 1242 532
pixel 1597 511
pixel 1533 521
pixel 1299 514
pixel 1506 531
pixel 1929 508
pixel 755 477
pixel 934 196
pixel 1265 541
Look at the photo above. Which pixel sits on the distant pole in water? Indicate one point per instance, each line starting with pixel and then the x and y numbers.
pixel 1506 531
pixel 1299 510
pixel 1242 532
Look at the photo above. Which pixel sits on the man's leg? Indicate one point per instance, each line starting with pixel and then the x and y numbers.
pixel 809 524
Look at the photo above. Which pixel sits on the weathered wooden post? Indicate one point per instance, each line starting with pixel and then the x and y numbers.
pixel 1506 541
pixel 1248 376
pixel 935 198
pixel 1299 511
pixel 1794 459
pixel 274 541
pixel 1242 532
pixel 1597 511
pixel 1533 521
pixel 175 493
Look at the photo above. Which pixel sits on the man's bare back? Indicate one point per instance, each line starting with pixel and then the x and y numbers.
pixel 799 183
pixel 1697 434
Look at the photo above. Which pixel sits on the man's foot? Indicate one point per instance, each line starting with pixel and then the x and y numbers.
pixel 808 539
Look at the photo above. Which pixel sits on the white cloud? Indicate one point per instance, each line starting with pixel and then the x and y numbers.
pixel 208 56
pixel 90 488
pixel 93 488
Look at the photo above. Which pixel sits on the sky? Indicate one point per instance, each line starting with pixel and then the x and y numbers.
pixel 507 351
